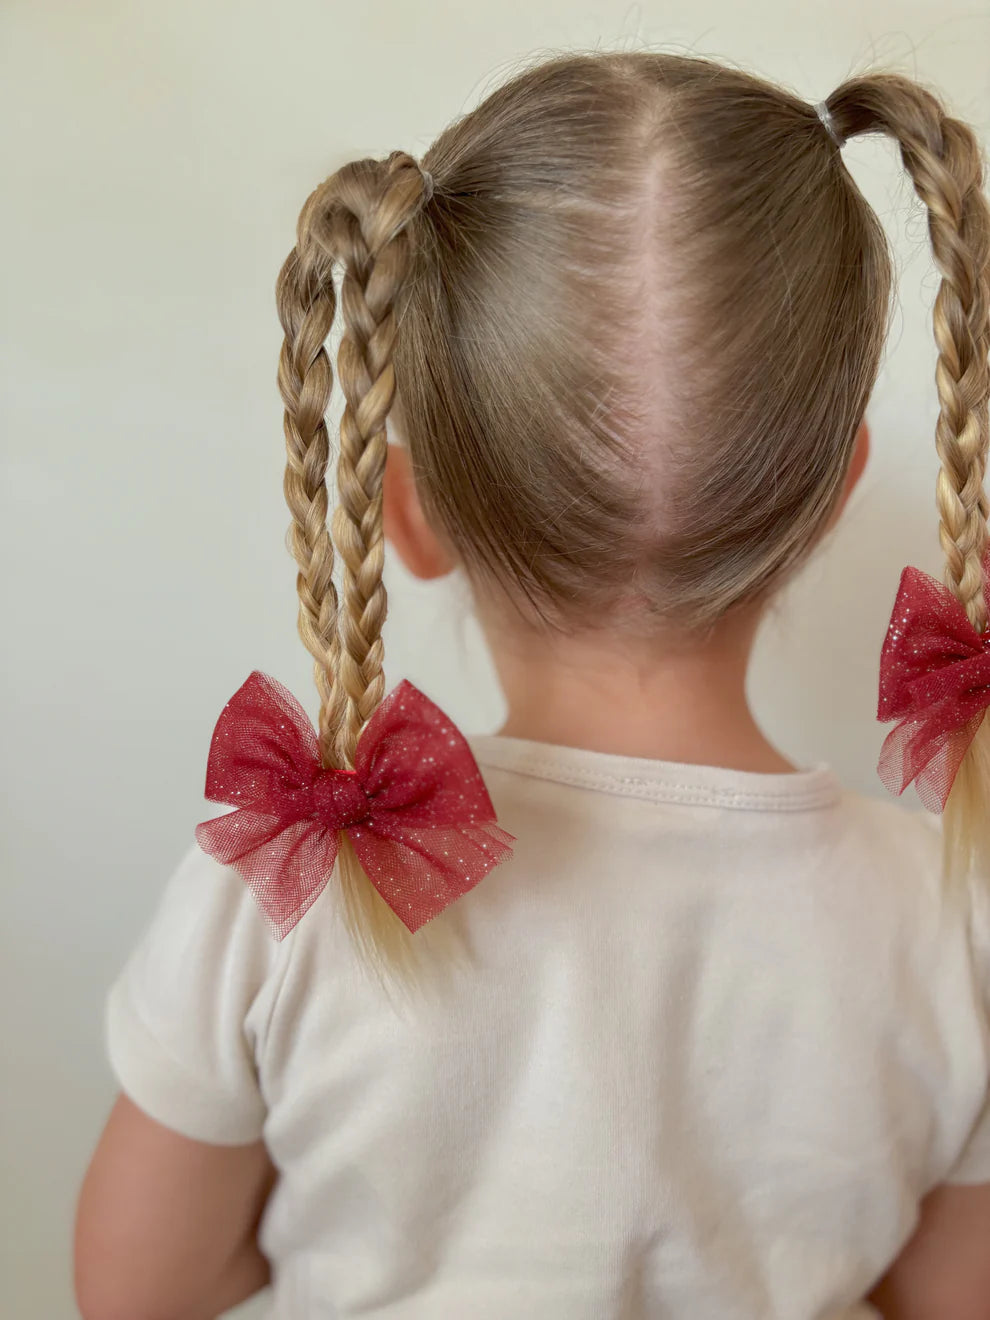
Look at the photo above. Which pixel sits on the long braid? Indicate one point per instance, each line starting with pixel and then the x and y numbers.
pixel 367 379
pixel 306 304
pixel 945 162
pixel 943 157
pixel 949 181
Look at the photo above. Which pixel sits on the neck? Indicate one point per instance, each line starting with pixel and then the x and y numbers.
pixel 635 697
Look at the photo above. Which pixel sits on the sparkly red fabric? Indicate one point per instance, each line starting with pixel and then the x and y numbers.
pixel 935 681
pixel 414 807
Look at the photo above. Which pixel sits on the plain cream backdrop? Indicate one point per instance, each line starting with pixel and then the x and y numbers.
pixel 154 158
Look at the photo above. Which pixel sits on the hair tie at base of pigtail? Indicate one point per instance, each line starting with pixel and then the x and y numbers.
pixel 825 115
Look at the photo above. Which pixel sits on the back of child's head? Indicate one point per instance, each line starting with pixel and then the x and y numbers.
pixel 628 321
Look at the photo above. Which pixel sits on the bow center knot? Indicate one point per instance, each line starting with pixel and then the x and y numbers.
pixel 339 801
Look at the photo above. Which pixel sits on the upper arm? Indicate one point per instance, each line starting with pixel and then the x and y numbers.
pixel 167 1214
pixel 161 1216
pixel 944 1271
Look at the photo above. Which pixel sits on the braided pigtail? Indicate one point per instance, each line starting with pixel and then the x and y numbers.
pixel 385 793
pixel 306 302
pixel 944 159
pixel 358 219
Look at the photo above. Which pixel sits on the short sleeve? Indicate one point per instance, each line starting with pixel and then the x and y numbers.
pixel 175 1022
pixel 973 1164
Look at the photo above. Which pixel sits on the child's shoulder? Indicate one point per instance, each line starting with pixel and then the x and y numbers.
pixel 903 826
pixel 894 840
pixel 905 846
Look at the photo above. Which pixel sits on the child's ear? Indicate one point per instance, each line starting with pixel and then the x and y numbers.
pixel 860 456
pixel 419 548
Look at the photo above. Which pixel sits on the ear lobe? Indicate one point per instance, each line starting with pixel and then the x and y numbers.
pixel 860 457
pixel 857 463
pixel 418 546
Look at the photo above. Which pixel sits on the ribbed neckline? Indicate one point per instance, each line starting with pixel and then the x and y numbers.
pixel 660 781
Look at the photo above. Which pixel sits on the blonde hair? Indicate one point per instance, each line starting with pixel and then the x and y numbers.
pixel 631 335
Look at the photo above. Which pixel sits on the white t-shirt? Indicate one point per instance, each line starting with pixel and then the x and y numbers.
pixel 720 1034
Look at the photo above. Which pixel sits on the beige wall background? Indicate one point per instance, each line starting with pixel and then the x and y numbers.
pixel 153 159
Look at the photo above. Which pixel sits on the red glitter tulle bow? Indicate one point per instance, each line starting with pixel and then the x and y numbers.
pixel 414 808
pixel 935 680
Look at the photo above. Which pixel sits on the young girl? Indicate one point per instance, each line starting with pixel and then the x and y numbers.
pixel 617 1012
